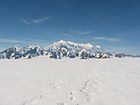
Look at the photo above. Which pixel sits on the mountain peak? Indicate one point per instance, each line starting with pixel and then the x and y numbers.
pixel 61 41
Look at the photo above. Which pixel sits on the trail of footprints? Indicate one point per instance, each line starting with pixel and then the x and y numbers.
pixel 86 92
pixel 45 93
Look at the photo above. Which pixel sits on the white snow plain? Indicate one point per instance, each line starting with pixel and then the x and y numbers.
pixel 44 81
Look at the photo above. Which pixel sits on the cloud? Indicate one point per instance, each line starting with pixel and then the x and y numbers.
pixel 75 32
pixel 107 39
pixel 6 40
pixel 24 21
pixel 40 20
pixel 81 32
pixel 85 32
pixel 34 21
pixel 12 42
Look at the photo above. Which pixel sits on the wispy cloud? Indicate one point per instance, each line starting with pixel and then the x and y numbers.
pixel 40 20
pixel 21 42
pixel 24 21
pixel 80 32
pixel 111 39
pixel 6 40
pixel 76 32
pixel 34 21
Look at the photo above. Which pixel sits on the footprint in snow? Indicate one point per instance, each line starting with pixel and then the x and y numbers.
pixel 45 94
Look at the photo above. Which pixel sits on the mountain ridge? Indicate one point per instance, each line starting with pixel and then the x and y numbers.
pixel 59 50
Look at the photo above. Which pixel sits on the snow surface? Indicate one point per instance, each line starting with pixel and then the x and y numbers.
pixel 44 81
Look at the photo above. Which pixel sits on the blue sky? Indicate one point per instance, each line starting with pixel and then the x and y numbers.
pixel 114 24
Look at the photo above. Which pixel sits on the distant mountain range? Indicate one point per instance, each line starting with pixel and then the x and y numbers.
pixel 25 52
pixel 59 50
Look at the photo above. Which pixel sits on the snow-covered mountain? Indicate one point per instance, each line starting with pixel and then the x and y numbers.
pixel 56 50
pixel 123 55
pixel 25 52
pixel 70 49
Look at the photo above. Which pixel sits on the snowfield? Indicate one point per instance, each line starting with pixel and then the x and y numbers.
pixel 45 81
